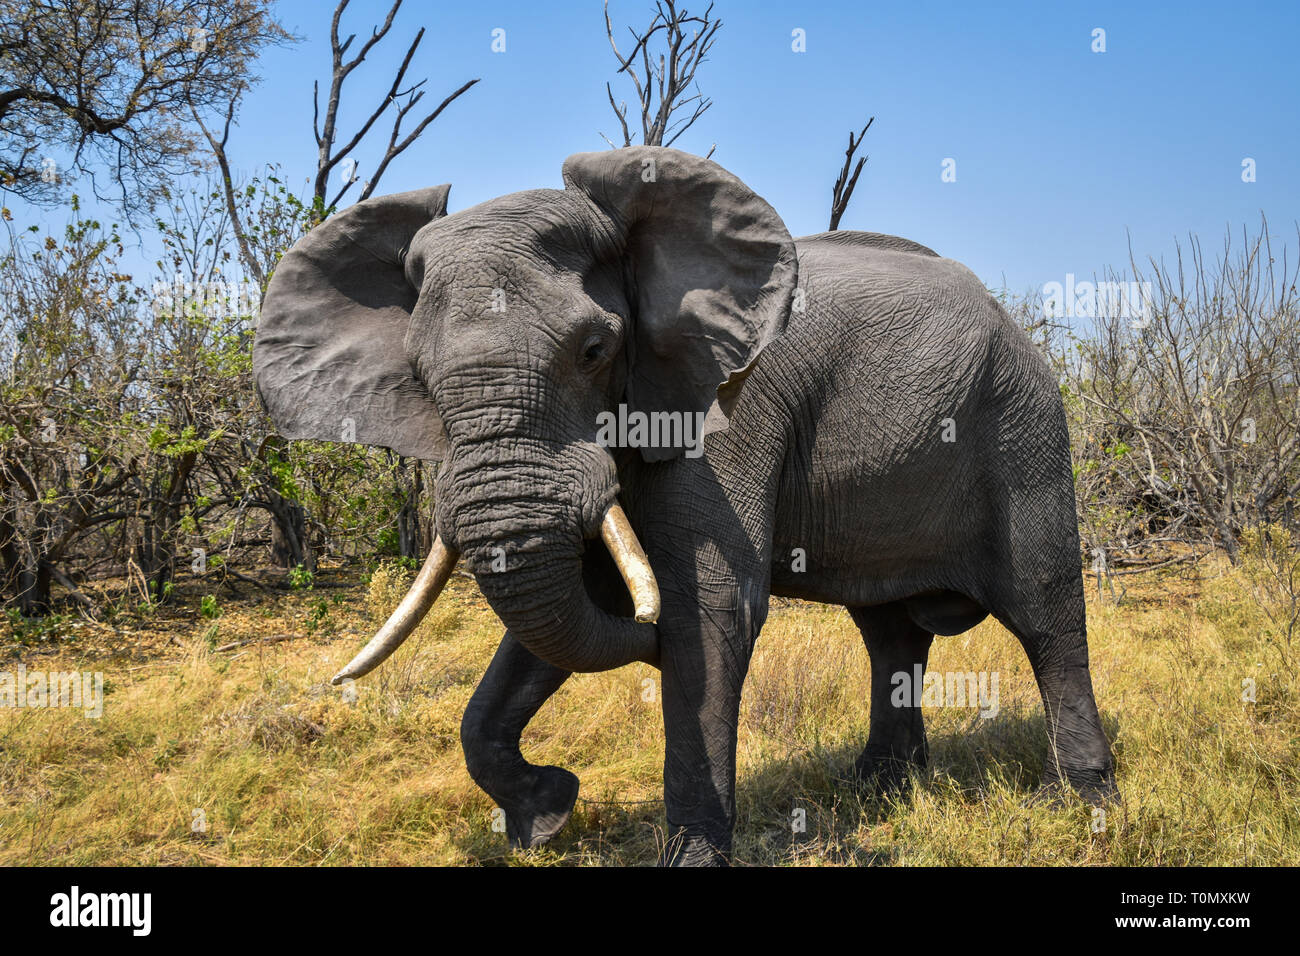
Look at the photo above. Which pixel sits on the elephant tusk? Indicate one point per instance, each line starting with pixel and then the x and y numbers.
pixel 402 622
pixel 626 550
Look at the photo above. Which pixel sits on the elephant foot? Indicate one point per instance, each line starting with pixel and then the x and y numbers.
pixel 537 817
pixel 1051 794
pixel 692 849
pixel 1094 787
pixel 884 777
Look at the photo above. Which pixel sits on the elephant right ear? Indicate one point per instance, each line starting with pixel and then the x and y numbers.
pixel 329 358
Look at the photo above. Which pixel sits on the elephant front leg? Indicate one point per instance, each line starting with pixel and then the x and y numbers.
pixel 704 665
pixel 537 801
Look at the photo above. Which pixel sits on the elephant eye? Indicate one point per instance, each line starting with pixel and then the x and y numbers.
pixel 593 351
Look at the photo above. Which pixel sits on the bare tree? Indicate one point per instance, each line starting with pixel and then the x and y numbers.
pixel 259 250
pixel 1187 398
pixel 663 82
pixel 251 261
pixel 844 183
pixel 404 99
pixel 325 132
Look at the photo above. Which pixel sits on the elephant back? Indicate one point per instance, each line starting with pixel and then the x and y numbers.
pixel 872 240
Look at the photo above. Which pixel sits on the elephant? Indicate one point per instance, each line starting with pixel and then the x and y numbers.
pixel 850 398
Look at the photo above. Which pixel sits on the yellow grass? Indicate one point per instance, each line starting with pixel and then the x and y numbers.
pixel 249 757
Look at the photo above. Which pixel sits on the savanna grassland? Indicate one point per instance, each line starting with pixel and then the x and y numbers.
pixel 247 756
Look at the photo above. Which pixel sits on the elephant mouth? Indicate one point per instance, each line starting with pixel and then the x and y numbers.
pixel 615 531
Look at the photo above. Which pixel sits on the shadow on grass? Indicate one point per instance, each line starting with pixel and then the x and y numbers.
pixel 811 807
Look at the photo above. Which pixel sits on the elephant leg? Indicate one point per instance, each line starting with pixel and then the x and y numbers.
pixel 1043 607
pixel 537 800
pixel 896 742
pixel 704 660
pixel 700 717
pixel 1078 750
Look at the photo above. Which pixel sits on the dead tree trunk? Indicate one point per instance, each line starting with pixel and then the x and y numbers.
pixel 290 546
pixel 410 538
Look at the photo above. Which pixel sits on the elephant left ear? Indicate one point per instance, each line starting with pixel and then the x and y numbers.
pixel 712 270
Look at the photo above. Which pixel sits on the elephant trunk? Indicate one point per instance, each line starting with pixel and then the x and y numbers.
pixel 523 511
pixel 588 655
pixel 542 599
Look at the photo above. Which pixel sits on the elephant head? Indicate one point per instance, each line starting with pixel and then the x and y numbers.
pixel 494 339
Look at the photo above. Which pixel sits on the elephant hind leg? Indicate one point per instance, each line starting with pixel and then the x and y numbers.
pixel 537 801
pixel 1041 603
pixel 896 741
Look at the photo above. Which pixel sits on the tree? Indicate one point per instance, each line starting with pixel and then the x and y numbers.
pixel 264 233
pixel 106 84
pixel 844 183
pixel 404 99
pixel 663 81
pixel 329 156
pixel 1186 398
pixel 202 347
pixel 69 366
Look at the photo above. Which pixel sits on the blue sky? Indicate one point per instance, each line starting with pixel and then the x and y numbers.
pixel 1061 153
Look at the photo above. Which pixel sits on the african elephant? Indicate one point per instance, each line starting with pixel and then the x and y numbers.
pixel 851 395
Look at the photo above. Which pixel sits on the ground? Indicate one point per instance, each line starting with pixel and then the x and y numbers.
pixel 248 756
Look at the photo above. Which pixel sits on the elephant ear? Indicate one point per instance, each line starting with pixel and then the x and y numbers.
pixel 712 271
pixel 329 357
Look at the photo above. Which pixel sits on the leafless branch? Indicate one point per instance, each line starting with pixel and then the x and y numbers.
pixel 1185 396
pixel 218 146
pixel 402 98
pixel 662 81
pixel 844 183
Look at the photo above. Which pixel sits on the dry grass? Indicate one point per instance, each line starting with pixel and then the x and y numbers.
pixel 282 770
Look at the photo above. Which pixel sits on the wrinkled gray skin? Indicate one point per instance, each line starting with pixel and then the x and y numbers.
pixel 655 293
